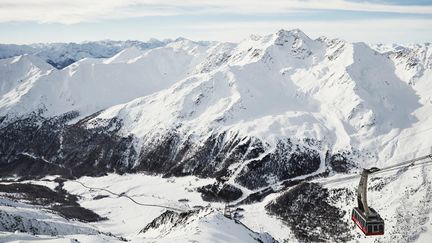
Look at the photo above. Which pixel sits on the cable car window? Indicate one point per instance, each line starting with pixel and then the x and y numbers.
pixel 369 228
pixel 375 228
pixel 381 228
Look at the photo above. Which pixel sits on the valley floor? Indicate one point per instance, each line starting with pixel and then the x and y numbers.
pixel 406 206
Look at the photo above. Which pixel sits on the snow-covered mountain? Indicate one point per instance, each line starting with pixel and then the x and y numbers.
pixel 231 110
pixel 255 114
pixel 61 55
pixel 31 85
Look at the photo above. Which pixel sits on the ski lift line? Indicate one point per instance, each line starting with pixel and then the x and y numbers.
pixel 342 179
pixel 406 162
pixel 382 170
pixel 247 211
pixel 128 197
pixel 405 166
pixel 347 178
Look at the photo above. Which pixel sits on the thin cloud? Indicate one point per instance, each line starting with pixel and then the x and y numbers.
pixel 76 11
pixel 371 31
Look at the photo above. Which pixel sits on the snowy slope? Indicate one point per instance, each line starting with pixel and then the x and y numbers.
pixel 16 216
pixel 205 225
pixel 413 64
pixel 18 71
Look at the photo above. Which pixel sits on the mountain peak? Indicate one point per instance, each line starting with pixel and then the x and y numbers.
pixel 181 38
pixel 282 33
pixel 290 37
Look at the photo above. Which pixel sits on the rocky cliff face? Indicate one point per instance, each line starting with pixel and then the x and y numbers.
pixel 36 146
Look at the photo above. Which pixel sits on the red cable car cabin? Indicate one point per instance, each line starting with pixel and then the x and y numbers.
pixel 372 225
pixel 366 218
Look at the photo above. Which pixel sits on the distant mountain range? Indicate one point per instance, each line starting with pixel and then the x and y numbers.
pixel 61 55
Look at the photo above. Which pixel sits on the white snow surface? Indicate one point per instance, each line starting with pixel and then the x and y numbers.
pixel 351 96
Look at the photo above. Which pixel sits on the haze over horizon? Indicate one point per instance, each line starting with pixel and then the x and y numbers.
pixel 377 21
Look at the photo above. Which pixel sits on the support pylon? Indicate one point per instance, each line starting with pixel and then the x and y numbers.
pixel 227 211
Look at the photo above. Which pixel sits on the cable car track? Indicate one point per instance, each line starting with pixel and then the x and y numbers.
pixel 405 164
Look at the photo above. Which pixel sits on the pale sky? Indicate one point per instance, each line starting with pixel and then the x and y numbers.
pixel 374 21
